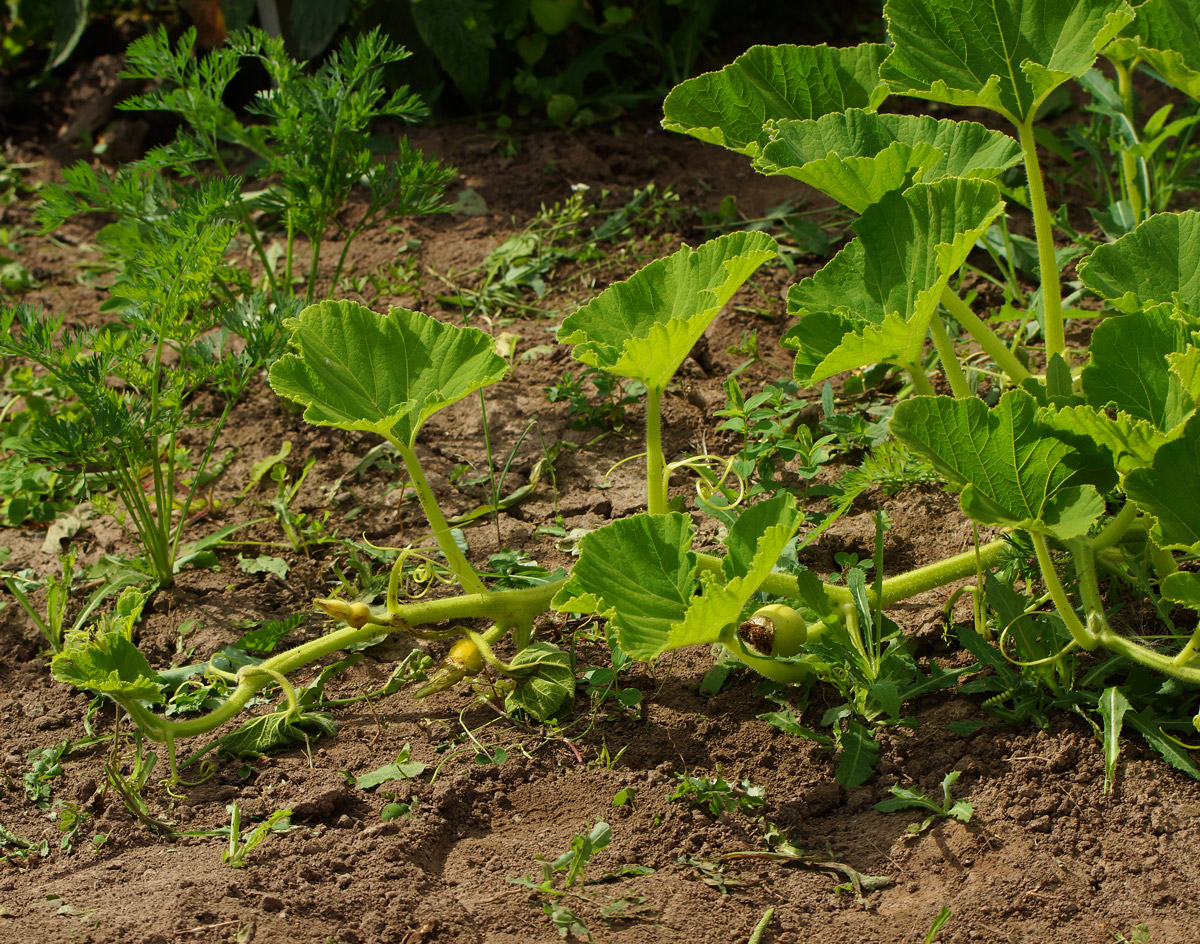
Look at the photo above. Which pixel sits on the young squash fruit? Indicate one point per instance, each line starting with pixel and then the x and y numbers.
pixel 772 634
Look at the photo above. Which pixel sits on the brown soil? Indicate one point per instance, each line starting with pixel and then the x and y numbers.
pixel 1047 857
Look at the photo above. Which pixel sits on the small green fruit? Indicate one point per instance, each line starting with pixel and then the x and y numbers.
pixel 766 638
pixel 775 630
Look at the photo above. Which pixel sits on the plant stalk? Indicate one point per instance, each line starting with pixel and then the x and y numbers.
pixel 984 336
pixel 1081 634
pixel 656 476
pixel 1129 164
pixel 950 365
pixel 1043 225
pixel 441 529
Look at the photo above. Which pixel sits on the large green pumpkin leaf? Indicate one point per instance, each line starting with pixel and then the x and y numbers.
pixel 754 544
pixel 1011 469
pixel 730 107
pixel 460 35
pixel 1004 56
pixel 644 327
pixel 1167 489
pixel 857 156
pixel 640 572
pixel 107 663
pixel 1167 36
pixel 1129 368
pixel 356 369
pixel 1157 262
pixel 1132 443
pixel 659 609
pixel 889 279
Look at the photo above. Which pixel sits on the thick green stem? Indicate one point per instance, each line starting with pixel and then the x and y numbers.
pixel 656 481
pixel 920 381
pixel 1084 554
pixel 1116 528
pixel 985 337
pixel 1043 226
pixel 509 608
pixel 897 588
pixel 441 529
pixel 950 365
pixel 1081 634
pixel 1129 164
pixel 1136 652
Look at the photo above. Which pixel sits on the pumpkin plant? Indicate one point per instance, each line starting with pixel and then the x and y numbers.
pixel 1085 455
pixel 1090 452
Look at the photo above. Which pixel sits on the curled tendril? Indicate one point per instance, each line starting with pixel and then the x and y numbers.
pixel 701 464
pixel 424 575
pixel 1048 660
pixel 706 462
pixel 207 769
pixel 616 465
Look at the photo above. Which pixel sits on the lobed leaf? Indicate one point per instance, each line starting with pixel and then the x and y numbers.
pixel 657 548
pixel 1012 470
pixel 107 663
pixel 1158 262
pixel 857 156
pixel 357 369
pixel 104 658
pixel 1131 442
pixel 659 610
pixel 886 283
pixel 754 544
pixel 644 327
pixel 1167 36
pixel 1129 368
pixel 1167 489
pixel 1006 57
pixel 731 107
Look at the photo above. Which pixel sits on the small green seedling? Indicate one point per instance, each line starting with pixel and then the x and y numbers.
pixel 401 769
pixel 570 863
pixel 566 922
pixel 717 795
pixel 625 797
pixel 939 922
pixel 45 766
pixel 904 798
pixel 242 844
pixel 1139 935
